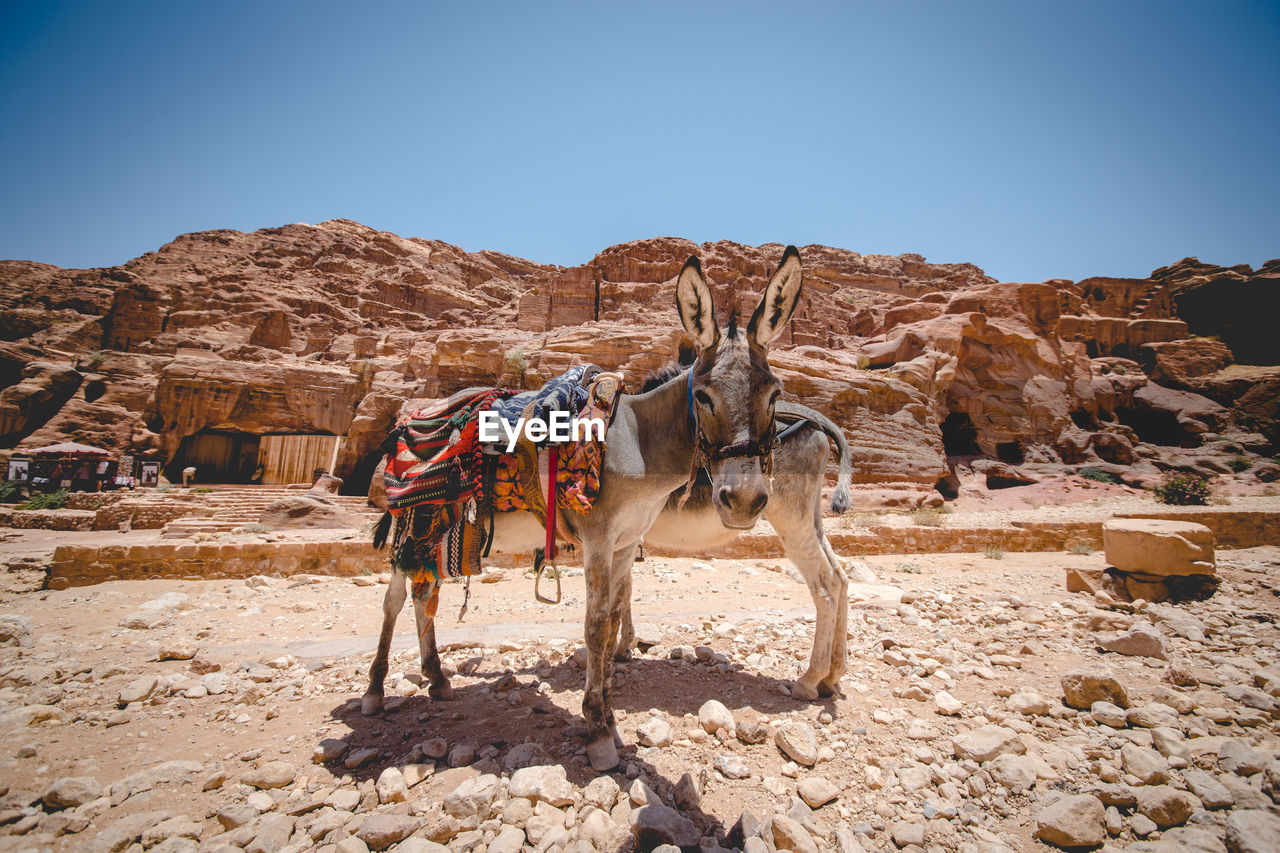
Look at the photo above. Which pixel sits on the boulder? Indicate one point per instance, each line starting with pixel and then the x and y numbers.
pixel 985 743
pixel 1082 688
pixel 1077 820
pixel 1253 831
pixel 1158 547
pixel 307 512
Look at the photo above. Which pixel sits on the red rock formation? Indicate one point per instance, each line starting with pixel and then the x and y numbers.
pixel 329 328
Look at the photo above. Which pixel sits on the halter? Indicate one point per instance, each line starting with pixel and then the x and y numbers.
pixel 704 452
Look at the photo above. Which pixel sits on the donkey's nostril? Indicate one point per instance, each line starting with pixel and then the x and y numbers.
pixel 725 497
pixel 757 506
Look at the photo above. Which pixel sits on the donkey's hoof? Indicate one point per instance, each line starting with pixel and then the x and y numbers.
pixel 829 687
pixel 443 692
pixel 370 704
pixel 603 754
pixel 803 692
pixel 622 655
pixel 617 738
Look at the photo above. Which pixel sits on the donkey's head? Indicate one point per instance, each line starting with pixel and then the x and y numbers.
pixel 733 390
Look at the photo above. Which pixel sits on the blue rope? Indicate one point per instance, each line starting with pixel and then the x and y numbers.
pixel 689 396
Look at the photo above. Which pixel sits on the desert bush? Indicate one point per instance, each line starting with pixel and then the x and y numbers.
pixel 1098 476
pixel 41 500
pixel 517 360
pixel 10 491
pixel 928 516
pixel 1181 489
pixel 1082 548
pixel 1239 463
pixel 993 552
pixel 201 490
pixel 909 568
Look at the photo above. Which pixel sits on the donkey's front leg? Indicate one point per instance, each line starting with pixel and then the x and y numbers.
pixel 392 603
pixel 627 628
pixel 424 612
pixel 600 633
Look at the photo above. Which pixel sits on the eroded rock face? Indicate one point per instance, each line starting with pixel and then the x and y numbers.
pixel 329 328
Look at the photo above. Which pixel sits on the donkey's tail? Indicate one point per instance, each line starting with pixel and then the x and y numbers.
pixel 840 498
pixel 382 531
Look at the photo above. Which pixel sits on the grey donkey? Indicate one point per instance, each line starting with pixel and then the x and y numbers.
pixel 719 414
pixel 795 512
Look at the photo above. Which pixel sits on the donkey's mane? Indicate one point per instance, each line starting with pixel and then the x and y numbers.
pixel 663 375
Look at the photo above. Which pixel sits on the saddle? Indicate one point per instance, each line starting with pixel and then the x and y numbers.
pixel 442 480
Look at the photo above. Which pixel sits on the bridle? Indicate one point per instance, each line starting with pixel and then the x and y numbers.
pixel 705 452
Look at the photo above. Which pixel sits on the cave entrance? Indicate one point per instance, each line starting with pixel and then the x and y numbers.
pixel 361 477
pixel 1155 427
pixel 221 456
pixel 217 456
pixel 959 436
pixel 1010 451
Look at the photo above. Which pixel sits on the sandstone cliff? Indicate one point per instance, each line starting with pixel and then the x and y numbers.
pixel 329 328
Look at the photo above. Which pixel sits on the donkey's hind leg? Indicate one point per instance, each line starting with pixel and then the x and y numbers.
pixel 840 636
pixel 803 542
pixel 392 603
pixel 424 612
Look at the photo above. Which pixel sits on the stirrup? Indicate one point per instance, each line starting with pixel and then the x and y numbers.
pixel 539 567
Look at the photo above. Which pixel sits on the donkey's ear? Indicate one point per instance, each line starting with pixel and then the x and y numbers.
pixel 779 300
pixel 697 312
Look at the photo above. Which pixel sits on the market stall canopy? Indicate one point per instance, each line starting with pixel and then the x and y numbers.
pixel 69 448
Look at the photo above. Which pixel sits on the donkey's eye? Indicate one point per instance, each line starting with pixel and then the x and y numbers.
pixel 705 399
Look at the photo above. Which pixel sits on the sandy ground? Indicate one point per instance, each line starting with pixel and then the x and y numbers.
pixel 751 611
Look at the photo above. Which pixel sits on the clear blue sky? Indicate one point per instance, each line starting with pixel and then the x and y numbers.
pixel 1034 139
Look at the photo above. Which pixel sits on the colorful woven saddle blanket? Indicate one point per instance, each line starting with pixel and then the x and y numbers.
pixel 442 480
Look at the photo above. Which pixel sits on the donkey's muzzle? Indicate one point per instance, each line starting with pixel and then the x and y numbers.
pixel 742 502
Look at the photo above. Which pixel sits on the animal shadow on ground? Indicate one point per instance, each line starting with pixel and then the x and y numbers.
pixel 481 715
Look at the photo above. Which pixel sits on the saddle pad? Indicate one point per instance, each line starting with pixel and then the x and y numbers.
pixel 434 456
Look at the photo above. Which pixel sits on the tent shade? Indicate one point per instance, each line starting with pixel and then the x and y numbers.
pixel 69 448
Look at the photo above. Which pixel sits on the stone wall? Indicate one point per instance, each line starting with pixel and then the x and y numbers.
pixel 141 515
pixel 1022 536
pixel 1231 528
pixel 46 519
pixel 81 566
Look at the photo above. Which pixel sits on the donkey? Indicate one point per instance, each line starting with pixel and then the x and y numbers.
pixel 691 524
pixel 720 414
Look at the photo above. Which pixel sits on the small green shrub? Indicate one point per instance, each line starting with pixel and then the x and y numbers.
pixel 1084 549
pixel 1120 370
pixel 1179 489
pixel 201 490
pixel 993 552
pixel 927 516
pixel 1098 476
pixel 1239 463
pixel 517 360
pixel 51 500
pixel 252 528
pixel 10 491
pixel 909 568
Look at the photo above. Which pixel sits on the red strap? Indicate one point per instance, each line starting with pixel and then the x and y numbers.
pixel 552 459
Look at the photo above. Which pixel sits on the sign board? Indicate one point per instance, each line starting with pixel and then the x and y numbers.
pixel 19 470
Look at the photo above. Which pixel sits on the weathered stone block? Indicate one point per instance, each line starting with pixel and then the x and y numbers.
pixel 1159 547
